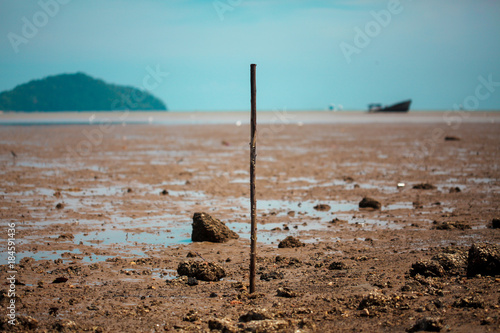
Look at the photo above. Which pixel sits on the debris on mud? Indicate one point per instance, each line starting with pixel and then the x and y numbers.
pixel 272 275
pixel 208 229
pixel 455 189
pixel 289 242
pixel 483 259
pixel 201 270
pixel 451 138
pixel 368 202
pixel 424 186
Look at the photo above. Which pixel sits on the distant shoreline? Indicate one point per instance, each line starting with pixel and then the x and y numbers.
pixel 281 117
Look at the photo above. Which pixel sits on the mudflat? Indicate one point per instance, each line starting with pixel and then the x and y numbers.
pixel 103 220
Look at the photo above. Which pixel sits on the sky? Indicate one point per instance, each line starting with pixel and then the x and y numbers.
pixel 195 55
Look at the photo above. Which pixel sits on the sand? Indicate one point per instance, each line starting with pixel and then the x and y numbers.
pixel 109 208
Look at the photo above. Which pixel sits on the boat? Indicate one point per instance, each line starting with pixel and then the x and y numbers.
pixel 403 106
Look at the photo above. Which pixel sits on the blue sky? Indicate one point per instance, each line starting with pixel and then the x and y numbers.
pixel 309 53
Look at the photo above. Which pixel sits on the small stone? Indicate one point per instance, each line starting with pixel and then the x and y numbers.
pixel 451 138
pixel 192 281
pixel 60 205
pixel 337 265
pixel 424 186
pixel 322 207
pixel 368 202
pixel 164 192
pixel 495 223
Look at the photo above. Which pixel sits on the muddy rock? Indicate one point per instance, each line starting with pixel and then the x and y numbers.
pixel 223 325
pixel 258 314
pixel 368 202
pixel 322 207
pixel 289 242
pixel 272 275
pixel 201 270
pixel 268 326
pixel 453 263
pixel 428 324
pixel 469 302
pixel 208 229
pixel 373 300
pixel 286 292
pixel 424 186
pixel 338 265
pixel 452 225
pixel 427 268
pixel 483 259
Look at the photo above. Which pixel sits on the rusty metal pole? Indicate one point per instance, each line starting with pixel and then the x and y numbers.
pixel 253 155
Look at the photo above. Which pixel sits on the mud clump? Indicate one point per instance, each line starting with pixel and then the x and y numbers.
pixel 483 259
pixel 322 207
pixel 208 229
pixel 290 242
pixel 424 186
pixel 203 271
pixel 368 202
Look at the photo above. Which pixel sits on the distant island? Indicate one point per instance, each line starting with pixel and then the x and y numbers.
pixel 76 92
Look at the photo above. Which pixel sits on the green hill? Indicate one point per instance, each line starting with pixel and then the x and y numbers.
pixel 76 92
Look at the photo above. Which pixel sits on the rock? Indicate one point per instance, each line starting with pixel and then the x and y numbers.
pixel 223 325
pixel 337 265
pixel 429 324
pixel 61 279
pixel 469 302
pixel 260 314
pixel 66 236
pixel 208 229
pixel 191 316
pixel 289 242
pixel 273 275
pixel 204 271
pixel 192 281
pixel 337 220
pixel 451 225
pixel 484 259
pixel 267 326
pixel 65 325
pixel 368 202
pixel 322 207
pixel 191 255
pixel 286 292
pixel 451 138
pixel 495 223
pixel 60 205
pixel 424 186
pixel 164 192
pixel 455 190
pixel 427 268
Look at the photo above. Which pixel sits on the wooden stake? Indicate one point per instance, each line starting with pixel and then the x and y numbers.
pixel 253 156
